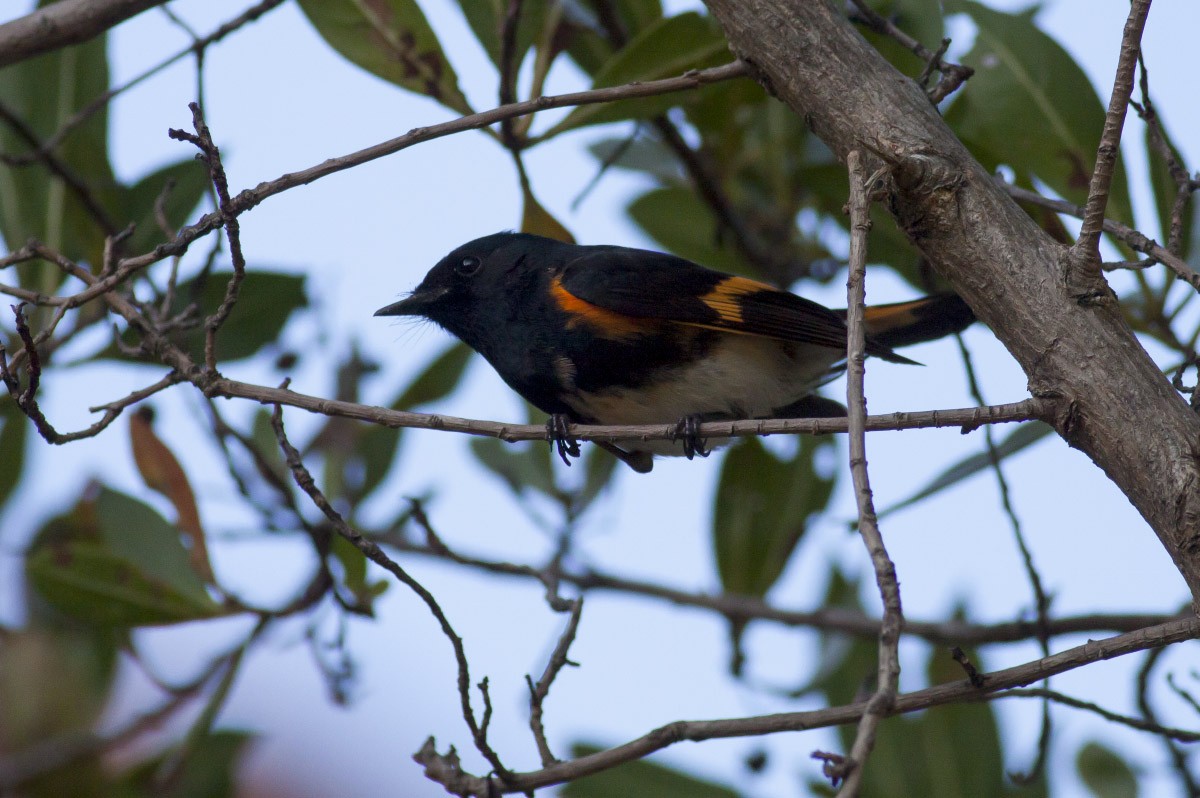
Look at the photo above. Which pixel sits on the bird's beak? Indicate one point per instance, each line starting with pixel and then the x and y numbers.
pixel 417 304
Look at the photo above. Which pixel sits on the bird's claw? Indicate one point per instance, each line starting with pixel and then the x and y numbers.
pixel 688 431
pixel 558 428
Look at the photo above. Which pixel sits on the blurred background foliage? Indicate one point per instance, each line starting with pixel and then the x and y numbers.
pixel 735 181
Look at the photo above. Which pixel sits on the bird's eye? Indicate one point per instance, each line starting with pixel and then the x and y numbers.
pixel 468 266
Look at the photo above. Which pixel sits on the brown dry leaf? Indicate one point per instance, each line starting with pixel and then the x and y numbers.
pixel 163 473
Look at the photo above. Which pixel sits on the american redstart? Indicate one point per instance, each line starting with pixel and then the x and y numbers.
pixel 613 335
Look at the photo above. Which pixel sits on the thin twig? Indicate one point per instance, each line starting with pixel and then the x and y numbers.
pixel 1040 598
pixel 743 609
pixel 880 704
pixel 99 103
pixel 953 75
pixel 461 783
pixel 1185 185
pixel 212 155
pixel 538 692
pixel 61 169
pixel 1167 732
pixel 1178 758
pixel 250 198
pixel 376 555
pixel 968 418
pixel 1135 239
pixel 1087 246
pixel 509 67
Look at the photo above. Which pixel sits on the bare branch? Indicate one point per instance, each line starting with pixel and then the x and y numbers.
pixel 888 676
pixel 462 783
pixel 212 155
pixel 1181 735
pixel 64 23
pixel 953 75
pixel 78 186
pixel 968 419
pixel 376 555
pixel 1135 239
pixel 249 198
pixel 538 692
pixel 1087 246
pixel 749 608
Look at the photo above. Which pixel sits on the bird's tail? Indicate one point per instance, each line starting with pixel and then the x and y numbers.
pixel 917 321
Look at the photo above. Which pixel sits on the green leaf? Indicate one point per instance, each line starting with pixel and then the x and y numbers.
pixel 438 380
pixel 484 18
pixel 1030 106
pixel 642 154
pixel 665 49
pixel 537 220
pixel 91 583
pixel 947 751
pixel 188 180
pixel 265 303
pixel 588 40
pixel 116 562
pixel 640 778
pixel 1105 773
pixel 681 223
pixel 14 427
pixel 377 447
pixel 53 681
pixel 521 466
pixel 1021 438
pixel 354 572
pixel 208 770
pixel 846 664
pixel 598 468
pixel 392 40
pixel 45 92
pixel 263 436
pixel 762 506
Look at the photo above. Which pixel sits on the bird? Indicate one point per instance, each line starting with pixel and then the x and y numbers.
pixel 606 334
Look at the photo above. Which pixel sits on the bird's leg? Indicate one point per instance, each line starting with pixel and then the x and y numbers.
pixel 688 430
pixel 557 432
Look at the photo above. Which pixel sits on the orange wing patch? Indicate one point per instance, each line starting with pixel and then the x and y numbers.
pixel 724 297
pixel 882 318
pixel 604 321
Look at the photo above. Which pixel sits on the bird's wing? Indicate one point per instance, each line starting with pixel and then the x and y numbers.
pixel 620 283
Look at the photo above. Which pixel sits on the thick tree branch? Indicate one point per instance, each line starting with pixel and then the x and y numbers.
pixel 63 23
pixel 1112 401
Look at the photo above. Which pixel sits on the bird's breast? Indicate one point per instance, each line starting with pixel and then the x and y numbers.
pixel 738 376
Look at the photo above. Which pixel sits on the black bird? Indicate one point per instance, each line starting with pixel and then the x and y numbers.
pixel 614 335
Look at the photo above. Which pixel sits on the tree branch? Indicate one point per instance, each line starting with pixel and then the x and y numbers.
pixel 1080 357
pixel 888 676
pixel 63 23
pixel 461 783
pixel 1088 243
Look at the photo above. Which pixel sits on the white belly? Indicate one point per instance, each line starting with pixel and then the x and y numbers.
pixel 743 376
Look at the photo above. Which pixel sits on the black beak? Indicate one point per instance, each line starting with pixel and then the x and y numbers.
pixel 417 304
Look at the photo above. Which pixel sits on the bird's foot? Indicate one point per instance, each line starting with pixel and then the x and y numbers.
pixel 558 433
pixel 688 431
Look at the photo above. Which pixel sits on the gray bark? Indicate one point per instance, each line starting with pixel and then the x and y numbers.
pixel 63 23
